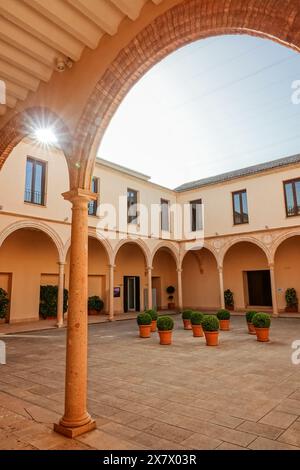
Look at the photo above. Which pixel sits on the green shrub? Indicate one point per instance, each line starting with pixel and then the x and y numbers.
pixel 291 297
pixel 144 319
pixel 228 297
pixel 4 302
pixel 165 323
pixel 223 314
pixel 48 301
pixel 261 320
pixel 250 315
pixel 186 314
pixel 95 303
pixel 197 318
pixel 210 323
pixel 153 313
pixel 170 290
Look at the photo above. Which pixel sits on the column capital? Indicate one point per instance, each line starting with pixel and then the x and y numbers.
pixel 79 195
pixel 112 266
pixel 61 263
pixel 179 270
pixel 220 269
pixel 271 265
pixel 149 268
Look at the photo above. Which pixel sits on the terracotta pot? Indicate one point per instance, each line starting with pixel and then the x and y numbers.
pixel 93 312
pixel 291 309
pixel 197 330
pixel 251 328
pixel 229 307
pixel 2 320
pixel 153 326
pixel 187 324
pixel 224 325
pixel 262 334
pixel 171 306
pixel 145 331
pixel 212 338
pixel 165 337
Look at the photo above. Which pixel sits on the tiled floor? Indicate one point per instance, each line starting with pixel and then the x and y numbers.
pixel 240 395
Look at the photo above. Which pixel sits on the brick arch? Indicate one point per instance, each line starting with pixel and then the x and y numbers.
pixel 186 22
pixel 23 124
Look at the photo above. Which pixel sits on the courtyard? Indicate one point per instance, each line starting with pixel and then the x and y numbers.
pixel 240 395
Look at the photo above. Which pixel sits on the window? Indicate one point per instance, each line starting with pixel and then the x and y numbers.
pixel 132 214
pixel 35 181
pixel 93 205
pixel 292 197
pixel 240 207
pixel 196 215
pixel 165 225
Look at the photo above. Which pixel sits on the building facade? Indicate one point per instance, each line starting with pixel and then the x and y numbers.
pixel 237 231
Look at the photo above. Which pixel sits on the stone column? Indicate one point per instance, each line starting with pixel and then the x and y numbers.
pixel 60 295
pixel 221 283
pixel 76 419
pixel 179 286
pixel 111 292
pixel 273 290
pixel 149 274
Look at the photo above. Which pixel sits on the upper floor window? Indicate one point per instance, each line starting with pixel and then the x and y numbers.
pixel 35 181
pixel 93 205
pixel 196 215
pixel 165 223
pixel 292 197
pixel 240 207
pixel 132 214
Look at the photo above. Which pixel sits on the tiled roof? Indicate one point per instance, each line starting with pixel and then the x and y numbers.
pixel 250 170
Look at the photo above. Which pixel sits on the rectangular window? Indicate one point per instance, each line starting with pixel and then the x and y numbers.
pixel 292 197
pixel 35 181
pixel 165 224
pixel 196 215
pixel 240 207
pixel 93 205
pixel 132 214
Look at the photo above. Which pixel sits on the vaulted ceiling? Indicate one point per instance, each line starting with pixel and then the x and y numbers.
pixel 38 36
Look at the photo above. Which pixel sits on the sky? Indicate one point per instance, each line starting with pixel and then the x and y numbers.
pixel 213 106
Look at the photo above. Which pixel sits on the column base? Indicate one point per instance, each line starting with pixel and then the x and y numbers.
pixel 74 432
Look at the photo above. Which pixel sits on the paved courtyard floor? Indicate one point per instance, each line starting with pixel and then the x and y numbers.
pixel 240 395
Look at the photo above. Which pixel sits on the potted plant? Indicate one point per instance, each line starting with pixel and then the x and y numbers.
pixel 144 320
pixel 186 318
pixel 249 316
pixel 196 321
pixel 224 319
pixel 210 325
pixel 262 322
pixel 4 302
pixel 228 298
pixel 95 305
pixel 153 313
pixel 291 300
pixel 170 291
pixel 165 327
pixel 48 301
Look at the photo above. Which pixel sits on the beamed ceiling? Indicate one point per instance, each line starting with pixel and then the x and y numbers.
pixel 36 34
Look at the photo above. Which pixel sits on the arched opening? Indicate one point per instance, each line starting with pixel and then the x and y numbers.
pixel 130 278
pixel 247 274
pixel 164 275
pixel 200 280
pixel 287 269
pixel 28 260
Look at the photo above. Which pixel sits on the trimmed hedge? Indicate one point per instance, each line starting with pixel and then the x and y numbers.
pixel 250 315
pixel 223 314
pixel 261 320
pixel 95 303
pixel 165 323
pixel 48 301
pixel 210 323
pixel 153 313
pixel 186 314
pixel 144 319
pixel 197 318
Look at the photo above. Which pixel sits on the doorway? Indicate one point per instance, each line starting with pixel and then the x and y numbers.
pixel 131 294
pixel 259 288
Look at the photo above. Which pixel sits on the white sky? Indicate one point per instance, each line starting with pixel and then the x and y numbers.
pixel 213 106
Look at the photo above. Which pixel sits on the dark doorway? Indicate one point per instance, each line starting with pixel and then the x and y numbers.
pixel 131 294
pixel 259 288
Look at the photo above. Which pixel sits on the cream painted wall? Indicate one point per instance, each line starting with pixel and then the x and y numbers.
pixel 287 269
pixel 27 254
pixel 200 281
